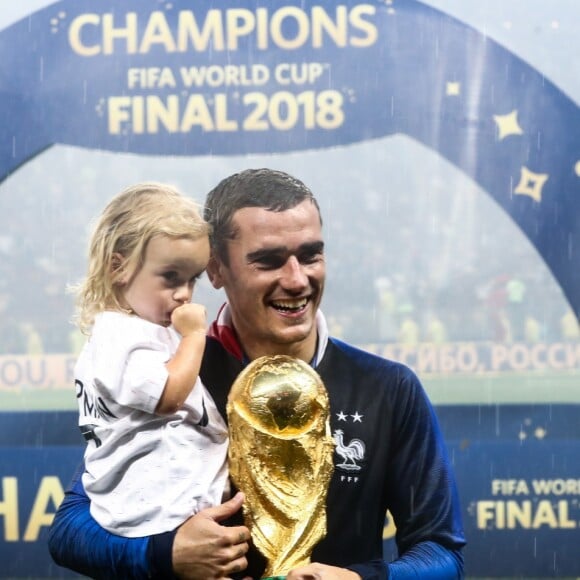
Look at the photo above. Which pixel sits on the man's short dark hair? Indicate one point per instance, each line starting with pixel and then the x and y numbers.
pixel 267 188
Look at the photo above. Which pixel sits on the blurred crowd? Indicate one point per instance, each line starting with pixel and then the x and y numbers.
pixel 400 269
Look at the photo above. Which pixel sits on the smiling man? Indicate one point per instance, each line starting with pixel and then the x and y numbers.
pixel 268 255
pixel 272 269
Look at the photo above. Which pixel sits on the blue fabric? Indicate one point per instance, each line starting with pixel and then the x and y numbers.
pixel 428 561
pixel 77 542
pixel 373 570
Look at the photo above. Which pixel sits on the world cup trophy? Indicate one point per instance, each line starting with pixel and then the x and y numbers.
pixel 280 456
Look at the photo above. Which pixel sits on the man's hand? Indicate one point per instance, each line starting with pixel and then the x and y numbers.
pixel 205 550
pixel 316 571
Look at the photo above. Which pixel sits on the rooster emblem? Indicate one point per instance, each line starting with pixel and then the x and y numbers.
pixel 351 453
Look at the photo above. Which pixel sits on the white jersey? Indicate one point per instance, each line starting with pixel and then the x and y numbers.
pixel 144 473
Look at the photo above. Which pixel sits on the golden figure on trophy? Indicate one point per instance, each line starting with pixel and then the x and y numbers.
pixel 280 456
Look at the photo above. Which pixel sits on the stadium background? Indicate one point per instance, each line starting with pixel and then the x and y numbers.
pixel 423 266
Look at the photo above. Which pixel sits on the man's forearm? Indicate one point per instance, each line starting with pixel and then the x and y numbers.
pixel 429 561
pixel 76 541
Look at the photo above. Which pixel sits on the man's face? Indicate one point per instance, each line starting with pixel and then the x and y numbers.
pixel 275 279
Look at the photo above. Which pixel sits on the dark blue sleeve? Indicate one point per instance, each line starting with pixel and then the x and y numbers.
pixel 425 503
pixel 428 561
pixel 76 541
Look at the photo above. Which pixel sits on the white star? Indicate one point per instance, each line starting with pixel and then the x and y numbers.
pixel 341 416
pixel 356 417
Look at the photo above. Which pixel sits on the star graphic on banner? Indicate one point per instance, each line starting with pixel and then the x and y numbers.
pixel 453 89
pixel 341 416
pixel 356 417
pixel 508 124
pixel 531 184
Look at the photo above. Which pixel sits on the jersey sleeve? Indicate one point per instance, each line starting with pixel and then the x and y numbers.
pixel 76 541
pixel 429 561
pixel 425 502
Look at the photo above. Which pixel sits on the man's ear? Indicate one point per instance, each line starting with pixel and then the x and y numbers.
pixel 214 272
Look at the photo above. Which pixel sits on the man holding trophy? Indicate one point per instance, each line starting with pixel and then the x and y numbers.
pixel 386 453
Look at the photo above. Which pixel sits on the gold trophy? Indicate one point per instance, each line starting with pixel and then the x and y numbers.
pixel 280 456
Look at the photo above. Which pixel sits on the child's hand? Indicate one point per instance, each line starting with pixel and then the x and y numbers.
pixel 189 319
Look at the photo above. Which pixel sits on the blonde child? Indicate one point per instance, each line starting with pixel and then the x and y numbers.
pixel 156 444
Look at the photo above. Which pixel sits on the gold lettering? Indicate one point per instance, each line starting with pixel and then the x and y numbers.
pixel 9 508
pixel 223 29
pixel 212 31
pixel 50 490
pixel 303 27
pixel 240 22
pixel 556 486
pixel 262 28
pixel 564 520
pixel 196 114
pixel 74 34
pixel 336 29
pixel 368 28
pixel 545 515
pixel 519 513
pixel 485 513
pixel 221 114
pixel 167 113
pixel 157 32
pixel 128 33
pixel 118 113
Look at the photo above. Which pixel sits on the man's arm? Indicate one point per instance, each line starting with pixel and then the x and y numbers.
pixel 425 503
pixel 427 560
pixel 200 549
pixel 76 541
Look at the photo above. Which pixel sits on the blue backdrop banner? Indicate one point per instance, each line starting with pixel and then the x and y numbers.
pixel 244 77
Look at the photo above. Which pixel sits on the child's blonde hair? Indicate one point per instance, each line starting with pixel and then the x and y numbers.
pixel 119 241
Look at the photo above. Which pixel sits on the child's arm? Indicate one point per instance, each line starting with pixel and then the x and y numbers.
pixel 190 321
